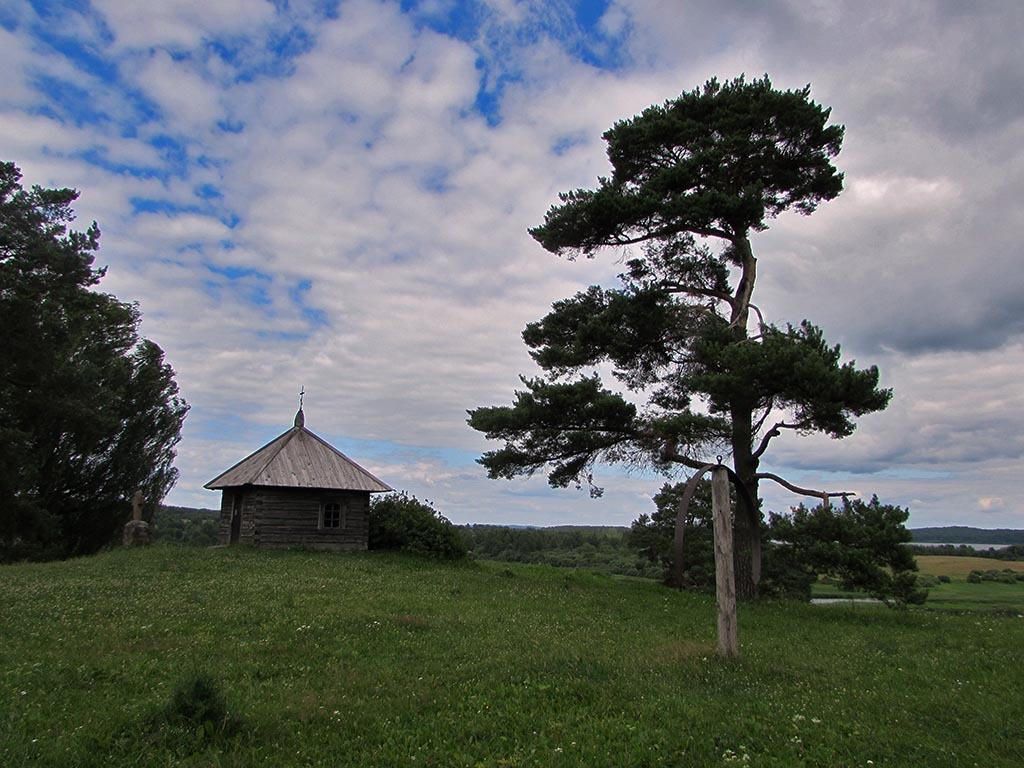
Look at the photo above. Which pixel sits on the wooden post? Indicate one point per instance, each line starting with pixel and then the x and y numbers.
pixel 725 579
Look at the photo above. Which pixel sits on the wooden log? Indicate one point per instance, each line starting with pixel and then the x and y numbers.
pixel 725 579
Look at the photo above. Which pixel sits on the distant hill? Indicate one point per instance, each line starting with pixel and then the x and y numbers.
pixel 962 534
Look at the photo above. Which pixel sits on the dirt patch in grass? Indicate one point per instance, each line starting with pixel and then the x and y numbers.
pixel 680 650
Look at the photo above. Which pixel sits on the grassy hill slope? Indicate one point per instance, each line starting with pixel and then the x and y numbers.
pixel 372 659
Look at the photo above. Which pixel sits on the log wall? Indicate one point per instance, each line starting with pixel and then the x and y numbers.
pixel 224 528
pixel 280 518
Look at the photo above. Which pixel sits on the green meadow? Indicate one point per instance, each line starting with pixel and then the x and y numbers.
pixel 373 659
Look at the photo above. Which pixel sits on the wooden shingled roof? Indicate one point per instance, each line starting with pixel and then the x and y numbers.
pixel 299 459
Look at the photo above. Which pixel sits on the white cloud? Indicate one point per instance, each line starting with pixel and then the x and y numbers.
pixel 181 23
pixel 190 104
pixel 362 169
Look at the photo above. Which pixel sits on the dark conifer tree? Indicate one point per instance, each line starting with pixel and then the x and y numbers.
pixel 89 411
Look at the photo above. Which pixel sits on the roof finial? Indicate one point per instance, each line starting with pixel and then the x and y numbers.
pixel 300 419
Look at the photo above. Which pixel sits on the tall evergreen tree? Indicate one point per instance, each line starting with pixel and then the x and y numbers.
pixel 692 181
pixel 89 411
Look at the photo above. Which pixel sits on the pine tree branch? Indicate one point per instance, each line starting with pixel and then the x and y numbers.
pixel 760 318
pixel 672 287
pixel 764 418
pixel 823 495
pixel 773 433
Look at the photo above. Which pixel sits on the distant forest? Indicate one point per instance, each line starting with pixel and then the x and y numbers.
pixel 185 525
pixel 598 548
pixel 961 534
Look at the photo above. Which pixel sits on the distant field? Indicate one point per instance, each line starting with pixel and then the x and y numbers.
pixel 377 660
pixel 963 596
pixel 959 567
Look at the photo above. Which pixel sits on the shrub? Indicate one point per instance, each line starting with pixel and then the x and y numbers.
pixel 860 543
pixel 975 577
pixel 402 522
pixel 927 581
pixel 199 705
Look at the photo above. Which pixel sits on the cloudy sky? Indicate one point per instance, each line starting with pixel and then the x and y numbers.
pixel 335 195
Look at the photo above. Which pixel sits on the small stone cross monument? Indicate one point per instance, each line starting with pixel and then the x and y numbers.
pixel 136 530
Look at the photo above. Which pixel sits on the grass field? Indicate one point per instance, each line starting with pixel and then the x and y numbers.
pixel 960 595
pixel 959 567
pixel 380 660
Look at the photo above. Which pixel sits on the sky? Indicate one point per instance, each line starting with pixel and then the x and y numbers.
pixel 335 196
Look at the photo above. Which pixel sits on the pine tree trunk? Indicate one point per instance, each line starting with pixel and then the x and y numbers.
pixel 746 526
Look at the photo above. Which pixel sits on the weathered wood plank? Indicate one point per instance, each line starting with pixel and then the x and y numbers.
pixel 725 579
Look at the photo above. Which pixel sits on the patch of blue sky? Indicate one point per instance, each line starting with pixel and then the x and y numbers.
pixel 595 46
pixel 575 26
pixel 461 20
pixel 377 449
pixel 68 102
pixel 207 192
pixel 291 42
pixel 493 83
pixel 913 473
pixel 277 336
pixel 865 469
pixel 229 125
pixel 84 56
pixel 247 283
pixel 251 58
pixel 174 152
pixel 173 155
pixel 436 180
pixel 208 200
pixel 256 295
pixel 488 104
pixel 564 143
pixel 8 17
pixel 299 295
pixel 99 156
pixel 57 10
pixel 71 102
pixel 152 205
pixel 238 273
pixel 327 9
pixel 228 428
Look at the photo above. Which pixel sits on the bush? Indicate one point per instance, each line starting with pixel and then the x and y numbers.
pixel 863 544
pixel 402 522
pixel 1005 576
pixel 199 707
pixel 927 581
pixel 198 700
